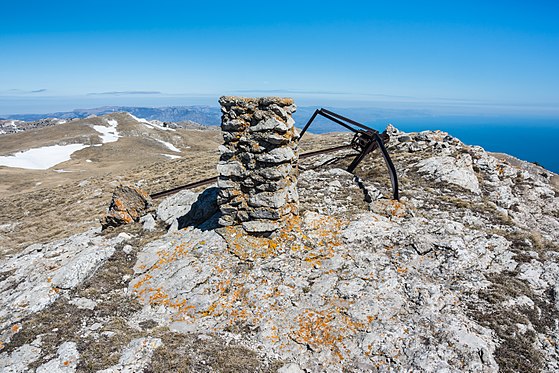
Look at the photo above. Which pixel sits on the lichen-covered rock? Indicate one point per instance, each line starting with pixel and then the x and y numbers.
pixel 128 204
pixel 20 358
pixel 435 282
pixel 66 360
pixel 43 272
pixel 446 279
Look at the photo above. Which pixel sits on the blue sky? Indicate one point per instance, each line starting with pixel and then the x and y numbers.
pixel 450 56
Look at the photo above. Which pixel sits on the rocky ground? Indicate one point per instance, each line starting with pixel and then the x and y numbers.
pixel 15 126
pixel 461 274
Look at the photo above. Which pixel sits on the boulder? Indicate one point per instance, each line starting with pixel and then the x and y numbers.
pixel 128 205
pixel 188 208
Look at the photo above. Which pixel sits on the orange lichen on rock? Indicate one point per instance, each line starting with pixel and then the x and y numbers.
pixel 250 248
pixel 325 329
pixel 232 296
pixel 127 205
pixel 392 209
pixel 318 242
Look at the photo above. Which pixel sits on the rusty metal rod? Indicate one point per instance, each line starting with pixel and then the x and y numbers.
pixel 213 179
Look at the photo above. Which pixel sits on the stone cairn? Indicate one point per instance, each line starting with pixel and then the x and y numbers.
pixel 258 164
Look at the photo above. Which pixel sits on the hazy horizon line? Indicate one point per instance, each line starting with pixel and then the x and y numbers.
pixel 47 104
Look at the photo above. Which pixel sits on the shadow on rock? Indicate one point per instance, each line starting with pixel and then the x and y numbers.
pixel 203 213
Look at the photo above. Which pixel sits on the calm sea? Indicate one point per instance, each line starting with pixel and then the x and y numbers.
pixel 533 140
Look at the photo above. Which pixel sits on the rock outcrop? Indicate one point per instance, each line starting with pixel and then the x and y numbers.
pixel 15 126
pixel 258 164
pixel 460 275
pixel 128 204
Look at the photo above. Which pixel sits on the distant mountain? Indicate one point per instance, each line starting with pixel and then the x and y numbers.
pixel 200 114
pixel 211 115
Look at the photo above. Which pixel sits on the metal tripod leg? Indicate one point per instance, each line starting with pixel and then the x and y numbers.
pixel 361 155
pixel 390 166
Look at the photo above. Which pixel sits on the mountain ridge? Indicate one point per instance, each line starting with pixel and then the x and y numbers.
pixel 197 113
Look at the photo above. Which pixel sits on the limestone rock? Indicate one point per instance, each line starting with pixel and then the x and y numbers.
pixel 43 272
pixel 275 173
pixel 270 124
pixel 269 199
pixel 230 169
pixel 175 206
pixel 188 208
pixel 260 226
pixel 66 361
pixel 291 368
pixel 277 155
pixel 84 303
pixel 128 204
pixel 452 170
pixel 136 356
pixel 19 359
pixel 148 222
pixel 446 279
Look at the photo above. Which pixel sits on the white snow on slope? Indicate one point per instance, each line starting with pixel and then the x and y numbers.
pixel 41 158
pixel 172 156
pixel 151 124
pixel 169 145
pixel 108 134
pixel 145 122
pixel 157 124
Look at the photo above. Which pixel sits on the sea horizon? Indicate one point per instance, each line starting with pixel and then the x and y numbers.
pixel 529 138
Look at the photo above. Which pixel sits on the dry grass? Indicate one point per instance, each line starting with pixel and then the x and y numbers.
pixel 46 205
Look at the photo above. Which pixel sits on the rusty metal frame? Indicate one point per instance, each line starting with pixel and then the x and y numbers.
pixel 365 140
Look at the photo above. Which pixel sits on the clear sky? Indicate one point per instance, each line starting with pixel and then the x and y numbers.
pixel 474 55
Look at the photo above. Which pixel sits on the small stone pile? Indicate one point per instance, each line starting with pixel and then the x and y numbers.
pixel 258 165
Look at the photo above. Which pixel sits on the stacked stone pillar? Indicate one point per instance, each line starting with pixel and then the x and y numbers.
pixel 258 164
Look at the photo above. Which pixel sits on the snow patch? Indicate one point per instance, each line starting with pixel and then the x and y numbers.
pixel 41 158
pixel 157 124
pixel 141 120
pixel 172 156
pixel 154 124
pixel 108 134
pixel 169 145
